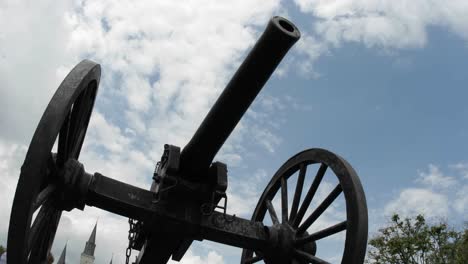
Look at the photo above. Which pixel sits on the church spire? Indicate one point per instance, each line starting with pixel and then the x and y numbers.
pixel 62 256
pixel 92 237
pixel 91 244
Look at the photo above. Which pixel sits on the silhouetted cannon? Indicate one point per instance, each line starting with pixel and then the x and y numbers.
pixel 188 189
pixel 240 92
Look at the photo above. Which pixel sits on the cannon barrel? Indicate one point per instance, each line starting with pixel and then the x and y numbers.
pixel 240 92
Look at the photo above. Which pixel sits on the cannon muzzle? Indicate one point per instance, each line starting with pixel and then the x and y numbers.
pixel 240 92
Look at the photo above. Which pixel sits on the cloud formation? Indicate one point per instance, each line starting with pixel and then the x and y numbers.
pixel 435 179
pixel 385 24
pixel 436 195
pixel 164 63
pixel 11 157
pixel 413 201
pixel 32 54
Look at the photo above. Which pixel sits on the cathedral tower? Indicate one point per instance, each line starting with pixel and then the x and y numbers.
pixel 87 257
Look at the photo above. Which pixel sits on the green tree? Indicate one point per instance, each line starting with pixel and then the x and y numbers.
pixel 414 241
pixel 462 247
pixel 2 250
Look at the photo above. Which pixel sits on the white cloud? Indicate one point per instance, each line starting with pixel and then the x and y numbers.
pixel 462 168
pixel 435 195
pixel 32 52
pixel 388 24
pixel 104 134
pixel 413 201
pixel 266 138
pixel 190 50
pixel 271 104
pixel 211 258
pixel 260 175
pixel 173 64
pixel 11 157
pixel 243 196
pixel 313 48
pixel 461 201
pixel 434 178
pixel 164 63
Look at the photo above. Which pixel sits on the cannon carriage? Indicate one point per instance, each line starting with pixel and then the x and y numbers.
pixel 187 199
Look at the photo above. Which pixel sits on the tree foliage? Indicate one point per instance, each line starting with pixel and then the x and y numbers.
pixel 2 250
pixel 414 241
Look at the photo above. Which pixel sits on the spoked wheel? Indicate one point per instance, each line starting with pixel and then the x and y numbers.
pixel 292 235
pixel 37 206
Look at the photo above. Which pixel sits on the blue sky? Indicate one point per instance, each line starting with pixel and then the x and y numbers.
pixel 381 84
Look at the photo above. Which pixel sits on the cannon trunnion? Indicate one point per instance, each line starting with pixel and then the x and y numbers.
pixel 187 199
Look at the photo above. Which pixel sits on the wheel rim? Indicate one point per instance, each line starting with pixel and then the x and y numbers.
pixel 66 118
pixel 302 246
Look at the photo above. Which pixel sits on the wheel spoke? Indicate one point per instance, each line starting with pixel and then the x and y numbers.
pixel 43 196
pixel 284 200
pixel 310 194
pixel 320 209
pixel 322 234
pixel 39 224
pixel 271 210
pixel 309 257
pixel 39 251
pixel 53 224
pixel 298 192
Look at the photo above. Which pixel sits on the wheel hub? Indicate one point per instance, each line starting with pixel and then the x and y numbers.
pixel 282 239
pixel 310 247
pixel 74 185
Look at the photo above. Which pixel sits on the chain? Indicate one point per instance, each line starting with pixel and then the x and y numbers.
pixel 131 239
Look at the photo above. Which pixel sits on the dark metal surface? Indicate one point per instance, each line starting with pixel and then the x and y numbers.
pixel 121 198
pixel 39 187
pixel 188 179
pixel 234 231
pixel 188 188
pixel 129 201
pixel 297 245
pixel 240 92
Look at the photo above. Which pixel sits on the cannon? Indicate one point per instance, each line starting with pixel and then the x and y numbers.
pixel 187 199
